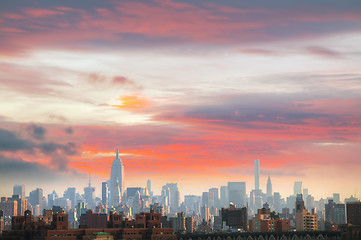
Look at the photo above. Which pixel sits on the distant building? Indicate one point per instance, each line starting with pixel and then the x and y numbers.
pixel 305 221
pixel 36 198
pixel 224 202
pixel 70 194
pixel 89 196
pixel 208 199
pixel 9 207
pixel 178 223
pixel 19 190
pixel 353 213
pixel 336 198
pixel 235 218
pixel 116 187
pixel 297 188
pixel 215 192
pixel 265 221
pixel 105 193
pixel 335 215
pixel 237 193
pixel 269 187
pixel 256 174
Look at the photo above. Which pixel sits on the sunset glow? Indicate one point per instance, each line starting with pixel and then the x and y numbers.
pixel 189 91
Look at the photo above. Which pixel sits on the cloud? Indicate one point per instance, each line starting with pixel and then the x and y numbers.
pixel 133 102
pixel 324 52
pixel 37 132
pixel 37 12
pixel 129 23
pixel 58 152
pixel 9 141
pixel 69 130
pixel 258 51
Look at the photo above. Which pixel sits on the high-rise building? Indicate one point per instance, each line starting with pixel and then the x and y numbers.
pixel 256 174
pixel 336 198
pixel 19 190
pixel 192 203
pixel 149 187
pixel 116 181
pixel 297 189
pixel 178 223
pixel 334 213
pixel 235 218
pixel 224 196
pixel 277 202
pixel 269 186
pixel 104 193
pixel 237 193
pixel 353 213
pixel 70 194
pixel 174 196
pixel 22 204
pixel 89 196
pixel 9 206
pixel 36 198
pixel 215 192
pixel 208 199
pixel 305 193
pixel 305 221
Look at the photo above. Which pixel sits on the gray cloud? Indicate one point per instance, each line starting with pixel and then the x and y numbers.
pixel 37 132
pixel 69 130
pixel 9 141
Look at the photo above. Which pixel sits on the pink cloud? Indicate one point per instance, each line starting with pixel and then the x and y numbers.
pixel 37 12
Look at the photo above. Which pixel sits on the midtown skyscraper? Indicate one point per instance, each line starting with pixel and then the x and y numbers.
pixel 116 181
pixel 269 187
pixel 256 174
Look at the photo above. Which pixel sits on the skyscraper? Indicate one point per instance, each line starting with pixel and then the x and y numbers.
pixel 269 186
pixel 116 181
pixel 19 190
pixel 224 196
pixel 104 193
pixel 173 196
pixel 256 174
pixel 70 194
pixel 89 196
pixel 149 187
pixel 237 193
pixel 297 188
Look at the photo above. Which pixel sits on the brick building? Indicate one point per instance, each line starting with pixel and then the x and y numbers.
pixel 267 221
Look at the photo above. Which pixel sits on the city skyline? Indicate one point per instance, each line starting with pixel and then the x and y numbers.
pixel 298 187
pixel 190 92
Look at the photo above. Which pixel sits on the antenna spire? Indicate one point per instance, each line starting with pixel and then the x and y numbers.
pixel 117 156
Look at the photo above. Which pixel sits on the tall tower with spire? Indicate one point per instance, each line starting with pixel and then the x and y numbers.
pixel 269 187
pixel 116 181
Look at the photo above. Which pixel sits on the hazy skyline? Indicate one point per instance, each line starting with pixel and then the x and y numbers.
pixel 190 92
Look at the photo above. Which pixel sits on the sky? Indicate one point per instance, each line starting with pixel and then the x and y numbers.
pixel 189 91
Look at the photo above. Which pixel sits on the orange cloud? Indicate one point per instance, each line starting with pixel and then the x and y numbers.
pixel 132 102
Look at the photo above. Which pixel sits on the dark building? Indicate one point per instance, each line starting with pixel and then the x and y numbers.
pixel 146 226
pixel 235 218
pixel 353 213
pixel 92 220
pixel 2 222
pixel 335 215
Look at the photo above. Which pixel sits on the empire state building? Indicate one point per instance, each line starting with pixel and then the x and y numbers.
pixel 116 181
